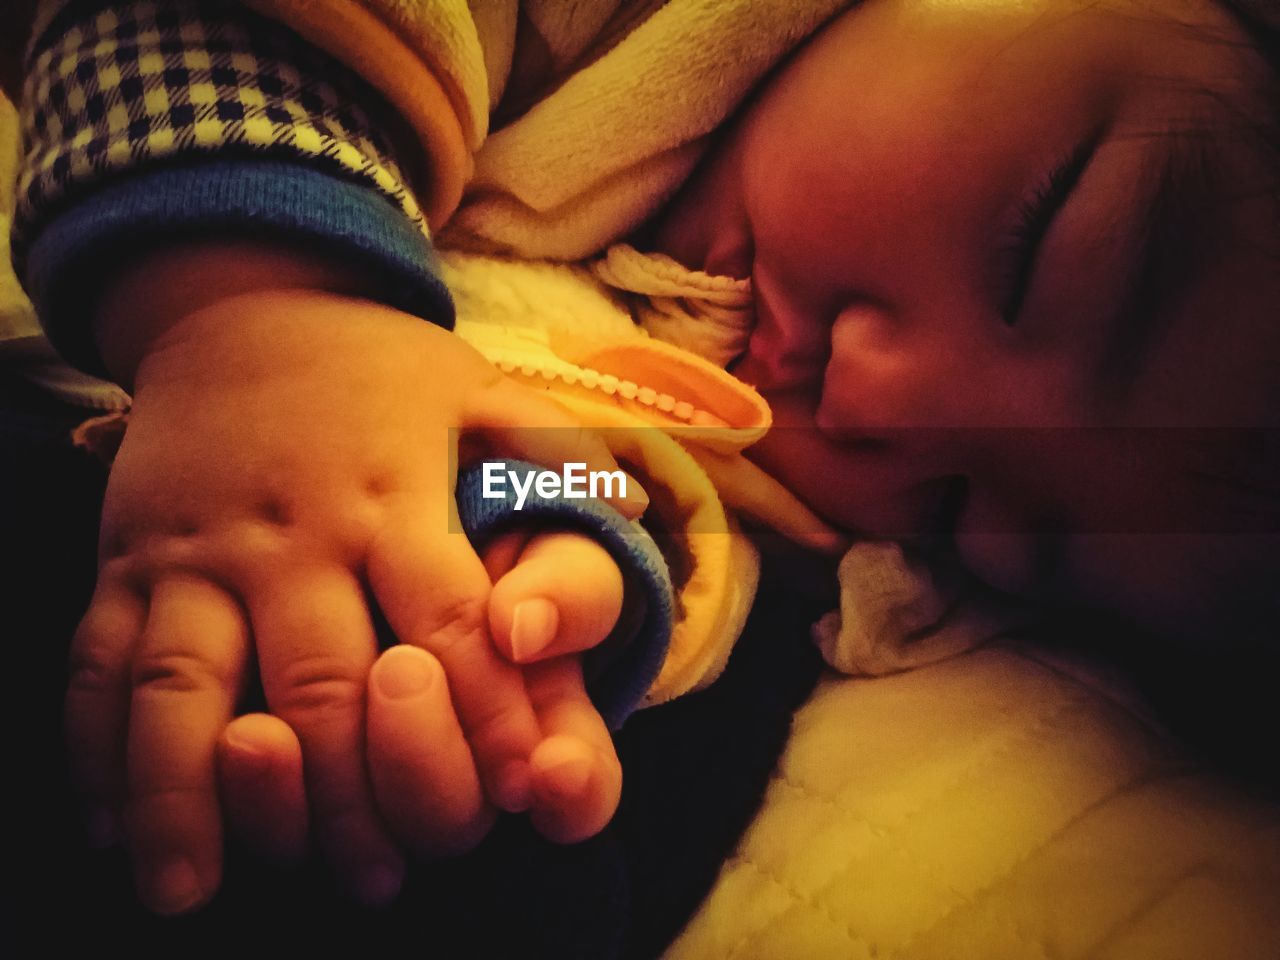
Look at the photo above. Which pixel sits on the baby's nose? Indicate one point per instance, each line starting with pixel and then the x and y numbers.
pixel 885 378
pixel 904 402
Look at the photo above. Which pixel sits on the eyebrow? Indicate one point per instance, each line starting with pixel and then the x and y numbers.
pixel 1036 216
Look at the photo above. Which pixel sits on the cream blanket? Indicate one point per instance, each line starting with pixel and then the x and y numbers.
pixel 1006 804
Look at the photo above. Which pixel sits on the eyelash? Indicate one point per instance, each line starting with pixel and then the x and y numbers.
pixel 1020 250
pixel 1036 213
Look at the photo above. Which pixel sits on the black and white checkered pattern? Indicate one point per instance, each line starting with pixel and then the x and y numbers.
pixel 159 79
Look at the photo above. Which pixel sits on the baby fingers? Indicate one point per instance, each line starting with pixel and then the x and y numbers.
pixel 187 673
pixel 97 705
pixel 576 776
pixel 563 595
pixel 316 645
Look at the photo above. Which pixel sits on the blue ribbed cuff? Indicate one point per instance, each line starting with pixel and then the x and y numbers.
pixel 620 671
pixel 70 258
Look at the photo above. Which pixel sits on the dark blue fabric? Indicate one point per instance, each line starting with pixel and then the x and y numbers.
pixel 74 253
pixel 618 676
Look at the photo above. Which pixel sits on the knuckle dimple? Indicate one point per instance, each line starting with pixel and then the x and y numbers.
pixel 185 527
pixel 379 485
pixel 256 537
pixel 274 511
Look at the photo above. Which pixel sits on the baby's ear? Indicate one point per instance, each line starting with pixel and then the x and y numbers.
pixel 698 402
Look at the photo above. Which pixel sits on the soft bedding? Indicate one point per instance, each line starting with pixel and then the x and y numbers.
pixel 1008 802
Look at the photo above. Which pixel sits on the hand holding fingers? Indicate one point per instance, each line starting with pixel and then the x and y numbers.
pixel 187 674
pixel 231 405
pixel 561 593
pixel 263 797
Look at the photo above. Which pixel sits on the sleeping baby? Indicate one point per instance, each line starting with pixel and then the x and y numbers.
pixel 1005 276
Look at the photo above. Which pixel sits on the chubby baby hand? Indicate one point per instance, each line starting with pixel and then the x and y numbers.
pixel 280 503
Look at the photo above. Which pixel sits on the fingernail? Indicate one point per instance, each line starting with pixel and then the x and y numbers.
pixel 568 778
pixel 173 888
pixel 246 749
pixel 401 676
pixel 513 788
pixel 378 884
pixel 104 828
pixel 636 499
pixel 534 623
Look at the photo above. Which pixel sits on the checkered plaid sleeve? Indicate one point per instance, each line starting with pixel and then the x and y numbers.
pixel 153 81
pixel 149 120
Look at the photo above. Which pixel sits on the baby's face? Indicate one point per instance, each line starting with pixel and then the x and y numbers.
pixel 1015 266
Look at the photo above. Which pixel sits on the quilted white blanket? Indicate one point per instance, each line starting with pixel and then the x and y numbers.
pixel 1004 803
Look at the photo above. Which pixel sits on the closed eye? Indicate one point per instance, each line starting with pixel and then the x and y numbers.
pixel 1036 214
